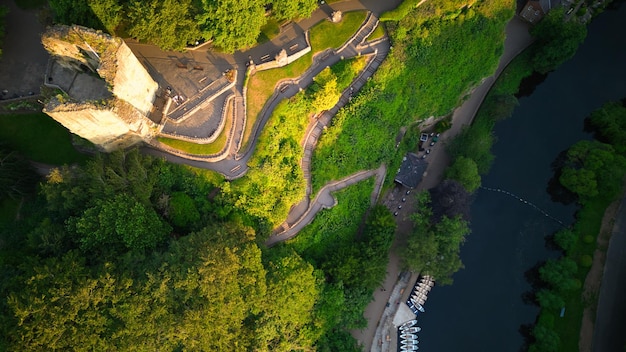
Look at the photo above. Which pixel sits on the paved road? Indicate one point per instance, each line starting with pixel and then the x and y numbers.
pixel 23 62
pixel 608 332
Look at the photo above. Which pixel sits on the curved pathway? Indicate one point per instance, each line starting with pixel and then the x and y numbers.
pixel 233 164
pixel 324 200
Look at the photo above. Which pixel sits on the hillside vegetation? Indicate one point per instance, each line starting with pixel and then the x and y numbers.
pixel 439 52
pixel 131 253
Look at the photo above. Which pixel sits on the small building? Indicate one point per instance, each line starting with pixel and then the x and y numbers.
pixel 411 171
pixel 534 10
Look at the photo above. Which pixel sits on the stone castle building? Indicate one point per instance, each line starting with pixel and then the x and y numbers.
pixel 108 96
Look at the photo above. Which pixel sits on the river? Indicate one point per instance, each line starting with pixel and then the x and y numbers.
pixel 484 309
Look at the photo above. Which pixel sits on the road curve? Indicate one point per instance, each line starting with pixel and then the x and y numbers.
pixel 324 200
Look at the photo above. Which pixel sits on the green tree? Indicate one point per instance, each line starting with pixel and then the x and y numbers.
pixel 550 300
pixel 610 124
pixel 17 177
pixel 582 182
pixel 109 12
pixel 74 12
pixel 285 10
pixel 325 91
pixel 475 143
pixel 566 239
pixel 293 287
pixel 546 340
pixel 560 274
pixel 167 23
pixel 182 210
pixel 231 24
pixel 120 221
pixel 593 168
pixel 202 293
pixel 433 248
pixel 465 171
pixel 557 40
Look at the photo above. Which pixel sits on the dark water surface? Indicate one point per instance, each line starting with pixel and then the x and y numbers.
pixel 484 308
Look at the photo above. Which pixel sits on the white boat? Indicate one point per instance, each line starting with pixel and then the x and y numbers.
pixel 413 330
pixel 420 308
pixel 408 324
pixel 423 287
pixel 408 336
pixel 420 295
pixel 409 348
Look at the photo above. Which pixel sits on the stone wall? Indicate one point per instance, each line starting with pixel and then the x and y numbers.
pixel 132 81
pixel 108 122
pixel 114 125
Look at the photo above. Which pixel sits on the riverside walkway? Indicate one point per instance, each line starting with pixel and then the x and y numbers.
pixel 517 39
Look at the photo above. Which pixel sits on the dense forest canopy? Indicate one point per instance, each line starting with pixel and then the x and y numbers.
pixel 172 25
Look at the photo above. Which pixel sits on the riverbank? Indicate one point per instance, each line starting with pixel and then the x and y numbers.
pixel 517 39
pixel 606 333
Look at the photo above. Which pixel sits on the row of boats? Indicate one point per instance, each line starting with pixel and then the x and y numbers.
pixel 420 294
pixel 408 337
pixel 409 330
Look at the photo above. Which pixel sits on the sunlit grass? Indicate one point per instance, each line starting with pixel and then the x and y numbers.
pixel 261 87
pixel 324 35
pixel 378 32
pixel 270 30
pixel 341 220
pixel 39 138
pixel 204 149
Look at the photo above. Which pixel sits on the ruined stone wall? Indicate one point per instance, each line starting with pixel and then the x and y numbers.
pixel 114 125
pixel 114 122
pixel 132 81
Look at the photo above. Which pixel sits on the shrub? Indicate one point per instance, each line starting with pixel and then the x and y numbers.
pixel 586 260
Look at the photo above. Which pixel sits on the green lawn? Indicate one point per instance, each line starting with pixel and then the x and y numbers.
pixel 379 32
pixel 323 35
pixel 326 34
pixel 203 149
pixel 40 138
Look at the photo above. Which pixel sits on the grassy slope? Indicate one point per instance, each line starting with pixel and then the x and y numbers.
pixel 322 36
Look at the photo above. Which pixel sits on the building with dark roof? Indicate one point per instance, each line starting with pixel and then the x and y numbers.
pixel 411 171
pixel 534 10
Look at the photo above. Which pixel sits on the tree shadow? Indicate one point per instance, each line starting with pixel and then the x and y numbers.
pixel 557 192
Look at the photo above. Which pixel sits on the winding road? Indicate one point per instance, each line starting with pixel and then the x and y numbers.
pixel 232 162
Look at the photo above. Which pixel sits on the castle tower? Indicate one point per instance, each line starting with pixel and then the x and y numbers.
pixel 107 94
